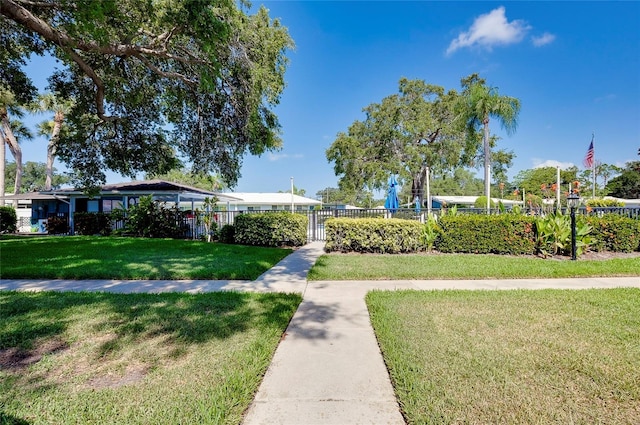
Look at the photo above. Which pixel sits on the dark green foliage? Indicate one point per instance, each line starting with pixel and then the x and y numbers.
pixel 612 232
pixel 207 69
pixel 271 229
pixel 481 234
pixel 92 223
pixel 8 220
pixel 373 235
pixel 627 184
pixel 227 234
pixel 57 225
pixel 153 219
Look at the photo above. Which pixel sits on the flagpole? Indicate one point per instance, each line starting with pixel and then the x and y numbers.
pixel 593 166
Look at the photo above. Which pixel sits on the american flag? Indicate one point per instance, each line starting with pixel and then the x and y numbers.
pixel 588 158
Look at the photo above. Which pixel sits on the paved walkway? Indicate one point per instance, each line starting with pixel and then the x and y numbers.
pixel 328 368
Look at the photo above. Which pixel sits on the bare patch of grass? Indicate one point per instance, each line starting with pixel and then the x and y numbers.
pixel 516 357
pixel 135 358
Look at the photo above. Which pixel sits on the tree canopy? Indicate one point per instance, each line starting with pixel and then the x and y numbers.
pixel 152 82
pixel 404 134
pixel 627 184
pixel 34 176
pixel 421 128
pixel 538 181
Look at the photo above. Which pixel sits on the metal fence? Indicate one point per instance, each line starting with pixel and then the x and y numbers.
pixel 316 228
pixel 194 228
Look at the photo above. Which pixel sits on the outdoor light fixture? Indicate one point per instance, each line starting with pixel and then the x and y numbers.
pixel 573 200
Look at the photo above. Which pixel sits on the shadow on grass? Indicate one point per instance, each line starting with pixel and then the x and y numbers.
pixel 26 319
pixel 6 419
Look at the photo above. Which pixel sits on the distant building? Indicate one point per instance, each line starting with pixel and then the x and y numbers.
pixel 252 201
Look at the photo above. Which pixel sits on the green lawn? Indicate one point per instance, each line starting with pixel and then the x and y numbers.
pixel 463 266
pixel 512 357
pixel 80 358
pixel 86 257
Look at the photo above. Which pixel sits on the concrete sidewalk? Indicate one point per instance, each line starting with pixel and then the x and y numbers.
pixel 328 368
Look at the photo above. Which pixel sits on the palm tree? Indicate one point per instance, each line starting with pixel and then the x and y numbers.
pixel 60 107
pixel 480 103
pixel 8 131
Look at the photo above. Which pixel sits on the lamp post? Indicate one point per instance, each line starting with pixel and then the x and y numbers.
pixel 572 201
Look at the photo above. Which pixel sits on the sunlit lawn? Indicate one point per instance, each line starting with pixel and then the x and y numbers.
pixel 84 257
pixel 512 357
pixel 96 358
pixel 463 266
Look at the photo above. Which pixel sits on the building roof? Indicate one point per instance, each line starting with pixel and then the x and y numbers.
pixel 266 198
pixel 159 188
pixel 469 200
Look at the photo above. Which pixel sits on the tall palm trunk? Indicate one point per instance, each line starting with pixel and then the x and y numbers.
pixel 51 149
pixel 15 149
pixel 487 163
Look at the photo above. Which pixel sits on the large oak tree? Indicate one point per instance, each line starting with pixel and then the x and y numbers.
pixel 421 128
pixel 152 81
pixel 404 134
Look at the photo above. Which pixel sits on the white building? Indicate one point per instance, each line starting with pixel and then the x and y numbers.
pixel 252 201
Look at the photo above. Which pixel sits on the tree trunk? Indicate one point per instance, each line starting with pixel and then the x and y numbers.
pixel 15 149
pixel 3 164
pixel 487 162
pixel 417 186
pixel 51 150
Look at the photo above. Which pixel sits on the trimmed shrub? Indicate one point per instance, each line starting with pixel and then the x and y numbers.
pixel 8 220
pixel 87 223
pixel 227 234
pixel 616 233
pixel 481 202
pixel 271 229
pixel 57 225
pixel 375 235
pixel 486 234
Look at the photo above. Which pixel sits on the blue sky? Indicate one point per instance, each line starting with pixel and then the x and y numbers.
pixel 575 66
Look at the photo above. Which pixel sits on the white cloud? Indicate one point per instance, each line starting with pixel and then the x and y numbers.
pixel 490 30
pixel 278 156
pixel 539 163
pixel 542 40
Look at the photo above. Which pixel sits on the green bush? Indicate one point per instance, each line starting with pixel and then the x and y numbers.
pixel 87 223
pixel 612 232
pixel 271 229
pixel 227 234
pixel 375 235
pixel 57 225
pixel 553 235
pixel 153 219
pixel 481 202
pixel 8 220
pixel 486 234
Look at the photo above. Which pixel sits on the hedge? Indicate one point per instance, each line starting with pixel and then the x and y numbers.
pixel 613 232
pixel 8 219
pixel 482 234
pixel 271 229
pixel 373 235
